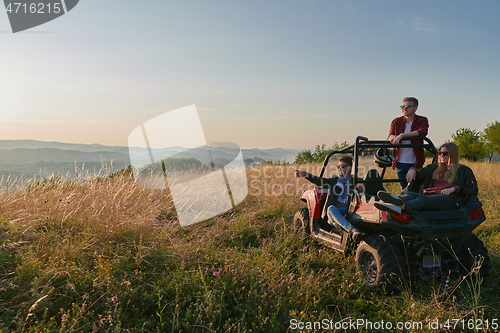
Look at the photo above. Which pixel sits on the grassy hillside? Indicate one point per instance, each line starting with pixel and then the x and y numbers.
pixel 107 256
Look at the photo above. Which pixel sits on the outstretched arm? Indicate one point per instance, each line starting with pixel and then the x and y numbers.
pixel 318 181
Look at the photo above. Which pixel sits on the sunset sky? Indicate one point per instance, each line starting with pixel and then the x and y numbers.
pixel 262 74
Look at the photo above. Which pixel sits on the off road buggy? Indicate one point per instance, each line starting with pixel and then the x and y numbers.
pixel 395 248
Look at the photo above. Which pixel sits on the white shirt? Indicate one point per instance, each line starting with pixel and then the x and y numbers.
pixel 406 155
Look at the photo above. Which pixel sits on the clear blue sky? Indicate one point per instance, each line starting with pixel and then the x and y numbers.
pixel 262 74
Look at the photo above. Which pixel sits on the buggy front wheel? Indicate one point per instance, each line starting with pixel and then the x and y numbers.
pixel 379 263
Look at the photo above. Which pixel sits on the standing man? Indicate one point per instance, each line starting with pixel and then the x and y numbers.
pixel 407 126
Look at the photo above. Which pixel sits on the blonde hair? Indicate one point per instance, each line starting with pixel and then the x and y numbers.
pixel 448 171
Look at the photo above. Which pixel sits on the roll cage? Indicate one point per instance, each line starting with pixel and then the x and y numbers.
pixel 364 146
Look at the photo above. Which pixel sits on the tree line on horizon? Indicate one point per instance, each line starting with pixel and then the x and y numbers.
pixel 472 144
pixel 478 145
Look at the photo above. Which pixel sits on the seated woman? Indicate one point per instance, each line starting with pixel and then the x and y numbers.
pixel 446 185
pixel 337 201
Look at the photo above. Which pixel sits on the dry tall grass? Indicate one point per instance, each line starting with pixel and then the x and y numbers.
pixel 99 205
pixel 104 254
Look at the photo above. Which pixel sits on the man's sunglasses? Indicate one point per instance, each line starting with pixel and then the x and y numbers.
pixel 343 166
pixel 405 106
pixel 444 153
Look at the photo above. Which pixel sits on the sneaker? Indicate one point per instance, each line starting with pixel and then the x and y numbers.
pixel 390 198
pixel 357 236
pixel 393 209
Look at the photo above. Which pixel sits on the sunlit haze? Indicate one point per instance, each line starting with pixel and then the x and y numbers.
pixel 262 74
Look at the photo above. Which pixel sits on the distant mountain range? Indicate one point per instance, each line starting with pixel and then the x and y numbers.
pixel 31 157
pixel 33 144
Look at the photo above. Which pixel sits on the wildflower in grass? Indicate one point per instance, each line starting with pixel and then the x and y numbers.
pixel 320 250
pixel 153 247
pixel 233 271
pixel 464 277
pixel 114 298
pixel 304 249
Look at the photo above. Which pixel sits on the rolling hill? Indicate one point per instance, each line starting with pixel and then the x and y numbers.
pixel 30 157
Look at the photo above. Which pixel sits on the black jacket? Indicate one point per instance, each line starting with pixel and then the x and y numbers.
pixel 328 183
pixel 464 179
